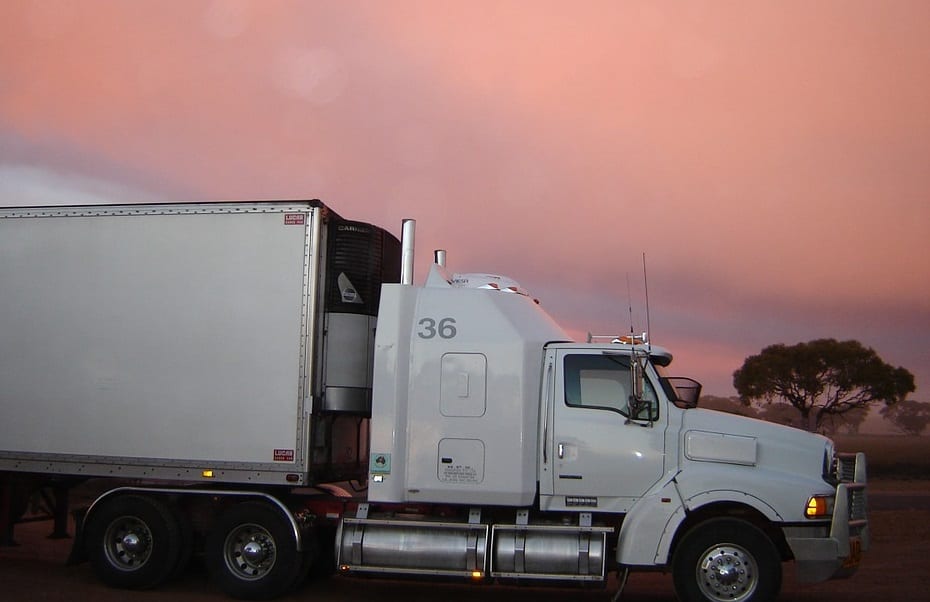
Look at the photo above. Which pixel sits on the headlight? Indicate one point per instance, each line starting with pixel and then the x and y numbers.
pixel 819 506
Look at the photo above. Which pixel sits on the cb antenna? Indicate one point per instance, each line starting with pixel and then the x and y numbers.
pixel 629 298
pixel 646 286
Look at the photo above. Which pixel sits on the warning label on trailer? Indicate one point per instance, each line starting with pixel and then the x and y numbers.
pixel 295 219
pixel 283 455
pixel 457 473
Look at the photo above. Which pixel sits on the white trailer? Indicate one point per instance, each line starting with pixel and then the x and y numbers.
pixel 232 358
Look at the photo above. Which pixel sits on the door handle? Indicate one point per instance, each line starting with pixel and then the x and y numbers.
pixel 561 450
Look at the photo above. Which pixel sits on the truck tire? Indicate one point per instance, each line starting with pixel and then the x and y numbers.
pixel 251 552
pixel 133 542
pixel 726 560
pixel 186 531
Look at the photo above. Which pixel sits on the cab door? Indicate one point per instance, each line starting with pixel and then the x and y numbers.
pixel 598 456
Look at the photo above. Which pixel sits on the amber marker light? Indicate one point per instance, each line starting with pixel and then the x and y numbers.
pixel 819 506
pixel 207 474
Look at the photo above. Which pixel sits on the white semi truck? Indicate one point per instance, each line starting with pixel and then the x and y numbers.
pixel 213 368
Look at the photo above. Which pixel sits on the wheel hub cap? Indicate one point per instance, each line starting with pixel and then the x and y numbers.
pixel 132 543
pixel 253 552
pixel 726 573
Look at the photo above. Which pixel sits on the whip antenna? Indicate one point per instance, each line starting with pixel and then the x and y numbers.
pixel 629 298
pixel 646 286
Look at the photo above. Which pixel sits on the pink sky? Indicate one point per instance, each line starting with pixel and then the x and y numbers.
pixel 772 159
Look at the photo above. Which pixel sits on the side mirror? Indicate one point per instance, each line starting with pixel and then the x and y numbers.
pixel 638 404
pixel 685 392
pixel 642 410
pixel 637 378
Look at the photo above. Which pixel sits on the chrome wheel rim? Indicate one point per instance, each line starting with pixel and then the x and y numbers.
pixel 128 543
pixel 727 572
pixel 250 552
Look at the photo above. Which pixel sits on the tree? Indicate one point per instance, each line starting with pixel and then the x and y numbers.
pixel 910 417
pixel 821 379
pixel 849 422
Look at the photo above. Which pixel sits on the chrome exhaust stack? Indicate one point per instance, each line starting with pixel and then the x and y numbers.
pixel 407 235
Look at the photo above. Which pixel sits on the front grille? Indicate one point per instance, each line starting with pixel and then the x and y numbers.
pixel 858 509
pixel 845 468
pixel 850 471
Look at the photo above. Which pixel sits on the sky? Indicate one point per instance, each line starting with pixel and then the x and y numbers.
pixel 770 159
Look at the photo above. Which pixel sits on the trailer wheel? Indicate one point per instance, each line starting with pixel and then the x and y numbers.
pixel 726 560
pixel 133 542
pixel 252 552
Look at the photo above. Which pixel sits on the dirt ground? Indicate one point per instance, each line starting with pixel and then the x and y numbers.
pixel 897 567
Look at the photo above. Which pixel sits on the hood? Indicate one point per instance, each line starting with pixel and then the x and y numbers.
pixel 712 436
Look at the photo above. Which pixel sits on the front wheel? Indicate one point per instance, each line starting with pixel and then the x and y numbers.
pixel 252 552
pixel 726 560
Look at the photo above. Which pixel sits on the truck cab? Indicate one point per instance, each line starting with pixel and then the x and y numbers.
pixel 569 453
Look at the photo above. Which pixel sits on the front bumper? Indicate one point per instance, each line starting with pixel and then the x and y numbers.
pixel 837 555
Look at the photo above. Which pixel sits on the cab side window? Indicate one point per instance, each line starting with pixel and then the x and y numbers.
pixel 603 382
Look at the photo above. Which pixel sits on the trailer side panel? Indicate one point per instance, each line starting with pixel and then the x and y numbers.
pixel 156 343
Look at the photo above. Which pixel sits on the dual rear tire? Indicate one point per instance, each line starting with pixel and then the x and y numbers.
pixel 134 542
pixel 139 542
pixel 252 552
